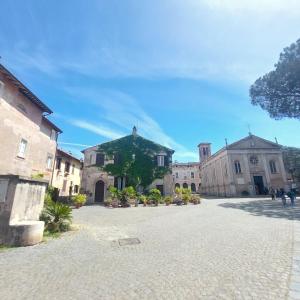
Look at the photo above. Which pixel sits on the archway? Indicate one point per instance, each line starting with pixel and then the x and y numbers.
pixel 99 191
pixel 185 186
pixel 177 185
pixel 193 187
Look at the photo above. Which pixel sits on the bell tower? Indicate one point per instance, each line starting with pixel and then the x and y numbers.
pixel 204 151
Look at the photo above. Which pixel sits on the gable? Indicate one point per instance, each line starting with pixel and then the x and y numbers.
pixel 253 142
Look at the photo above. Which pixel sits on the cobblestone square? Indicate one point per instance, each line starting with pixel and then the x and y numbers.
pixel 221 249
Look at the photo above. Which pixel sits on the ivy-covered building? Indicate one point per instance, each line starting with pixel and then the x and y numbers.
pixel 129 161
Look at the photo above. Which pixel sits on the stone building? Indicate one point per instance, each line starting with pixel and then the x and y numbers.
pixel 187 175
pixel 95 181
pixel 66 174
pixel 28 138
pixel 249 166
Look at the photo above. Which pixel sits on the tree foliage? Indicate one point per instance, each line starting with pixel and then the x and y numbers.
pixel 135 158
pixel 291 158
pixel 278 91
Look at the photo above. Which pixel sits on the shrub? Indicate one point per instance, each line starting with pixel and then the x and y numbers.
pixel 195 199
pixel 79 200
pixel 114 192
pixel 155 196
pixel 143 199
pixel 186 198
pixel 58 216
pixel 168 200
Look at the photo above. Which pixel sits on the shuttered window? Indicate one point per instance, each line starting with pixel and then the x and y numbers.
pixel 100 159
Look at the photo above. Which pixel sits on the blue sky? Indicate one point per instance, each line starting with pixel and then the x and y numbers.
pixel 178 70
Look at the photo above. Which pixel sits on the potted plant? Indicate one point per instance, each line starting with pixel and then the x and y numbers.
pixel 108 202
pixel 143 199
pixel 195 199
pixel 155 196
pixel 178 196
pixel 114 197
pixel 79 200
pixel 168 200
pixel 186 196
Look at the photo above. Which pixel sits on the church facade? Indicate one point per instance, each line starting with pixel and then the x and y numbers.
pixel 250 166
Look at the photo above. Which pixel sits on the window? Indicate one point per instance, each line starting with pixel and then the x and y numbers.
pixel 192 175
pixel 22 148
pixel 176 174
pixel 67 167
pixel 49 162
pixel 73 169
pixel 58 163
pixel 100 159
pixel 237 167
pixel 273 166
pixel 76 189
pixel 160 160
pixel 91 158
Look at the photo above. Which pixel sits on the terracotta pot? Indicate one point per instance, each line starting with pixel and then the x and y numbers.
pixel 77 205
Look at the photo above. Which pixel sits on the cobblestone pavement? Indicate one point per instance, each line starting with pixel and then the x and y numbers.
pixel 221 249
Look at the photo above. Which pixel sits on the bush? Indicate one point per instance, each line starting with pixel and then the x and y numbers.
pixel 79 200
pixel 195 199
pixel 155 196
pixel 168 200
pixel 57 217
pixel 143 199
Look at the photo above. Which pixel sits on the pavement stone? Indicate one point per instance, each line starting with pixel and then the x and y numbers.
pixel 221 249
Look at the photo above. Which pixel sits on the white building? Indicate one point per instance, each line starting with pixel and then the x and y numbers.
pixel 249 166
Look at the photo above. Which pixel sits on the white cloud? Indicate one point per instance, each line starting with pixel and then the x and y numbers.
pixel 97 128
pixel 73 144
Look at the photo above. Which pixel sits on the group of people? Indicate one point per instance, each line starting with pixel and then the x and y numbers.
pixel 280 193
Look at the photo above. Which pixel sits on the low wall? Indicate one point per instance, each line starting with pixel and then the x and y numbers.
pixel 21 202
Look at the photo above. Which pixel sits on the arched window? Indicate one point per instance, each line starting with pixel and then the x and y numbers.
pixel 237 167
pixel 177 185
pixel 185 186
pixel 193 187
pixel 273 166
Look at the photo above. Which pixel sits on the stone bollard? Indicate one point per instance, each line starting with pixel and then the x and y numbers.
pixel 21 202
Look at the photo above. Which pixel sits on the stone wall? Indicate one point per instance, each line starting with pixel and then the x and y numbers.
pixel 21 202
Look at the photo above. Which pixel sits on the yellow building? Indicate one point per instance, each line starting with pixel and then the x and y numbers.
pixel 66 174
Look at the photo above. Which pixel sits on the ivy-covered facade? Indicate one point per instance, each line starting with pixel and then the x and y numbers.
pixel 129 161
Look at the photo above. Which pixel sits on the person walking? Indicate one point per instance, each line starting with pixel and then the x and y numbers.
pixel 283 198
pixel 292 196
pixel 273 193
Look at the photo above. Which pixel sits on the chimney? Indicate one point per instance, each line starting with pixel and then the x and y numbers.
pixel 204 151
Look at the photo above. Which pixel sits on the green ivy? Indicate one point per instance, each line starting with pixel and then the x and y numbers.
pixel 136 160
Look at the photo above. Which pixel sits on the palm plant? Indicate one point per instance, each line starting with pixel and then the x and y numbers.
pixel 60 216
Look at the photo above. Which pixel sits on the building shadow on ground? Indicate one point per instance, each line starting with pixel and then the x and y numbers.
pixel 267 208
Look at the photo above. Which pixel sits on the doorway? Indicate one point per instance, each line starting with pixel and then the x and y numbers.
pixel 99 191
pixel 259 185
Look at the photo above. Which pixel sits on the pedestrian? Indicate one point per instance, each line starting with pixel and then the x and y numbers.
pixel 273 193
pixel 283 198
pixel 292 196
